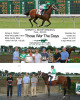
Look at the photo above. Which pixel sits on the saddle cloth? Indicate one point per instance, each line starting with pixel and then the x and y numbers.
pixel 38 11
pixel 54 77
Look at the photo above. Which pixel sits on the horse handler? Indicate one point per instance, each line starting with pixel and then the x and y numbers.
pixel 33 85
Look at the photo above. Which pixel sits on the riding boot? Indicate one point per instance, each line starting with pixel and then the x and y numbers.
pixel 41 14
pixel 50 80
pixel 46 10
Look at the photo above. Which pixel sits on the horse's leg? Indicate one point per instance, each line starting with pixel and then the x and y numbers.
pixel 48 87
pixel 42 23
pixel 30 21
pixel 64 93
pixel 48 24
pixel 68 93
pixel 35 21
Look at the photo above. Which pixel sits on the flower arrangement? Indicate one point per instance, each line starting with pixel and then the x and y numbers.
pixel 75 60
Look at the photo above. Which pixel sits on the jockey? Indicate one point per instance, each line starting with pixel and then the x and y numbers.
pixel 44 7
pixel 53 70
pixel 53 73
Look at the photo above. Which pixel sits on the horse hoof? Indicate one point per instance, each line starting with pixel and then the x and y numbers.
pixel 45 26
pixel 63 97
pixel 48 95
pixel 37 25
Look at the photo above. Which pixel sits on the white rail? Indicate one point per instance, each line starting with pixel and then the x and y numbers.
pixel 53 16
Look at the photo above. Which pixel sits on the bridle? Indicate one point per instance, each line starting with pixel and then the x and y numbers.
pixel 54 7
pixel 40 75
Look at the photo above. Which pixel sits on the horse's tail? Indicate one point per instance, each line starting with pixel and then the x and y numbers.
pixel 27 13
pixel 68 82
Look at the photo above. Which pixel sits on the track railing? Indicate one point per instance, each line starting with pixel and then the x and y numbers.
pixel 18 16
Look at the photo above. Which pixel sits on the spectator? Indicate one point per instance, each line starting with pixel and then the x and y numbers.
pixel 31 54
pixel 37 56
pixel 50 60
pixel 19 85
pixel 33 85
pixel 44 56
pixel 64 56
pixel 9 85
pixel 16 55
pixel 26 83
pixel 57 56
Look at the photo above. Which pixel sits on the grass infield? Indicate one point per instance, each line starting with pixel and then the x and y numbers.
pixel 24 23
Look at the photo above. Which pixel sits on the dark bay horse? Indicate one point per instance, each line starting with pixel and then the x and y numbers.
pixel 65 82
pixel 45 17
pixel 69 50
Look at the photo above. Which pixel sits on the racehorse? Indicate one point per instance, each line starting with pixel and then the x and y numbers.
pixel 65 82
pixel 69 50
pixel 45 17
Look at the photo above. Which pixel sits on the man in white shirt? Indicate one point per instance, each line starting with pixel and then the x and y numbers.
pixel 37 56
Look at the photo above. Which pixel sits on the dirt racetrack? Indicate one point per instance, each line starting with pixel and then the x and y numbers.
pixel 55 96
pixel 41 88
pixel 41 92
pixel 6 58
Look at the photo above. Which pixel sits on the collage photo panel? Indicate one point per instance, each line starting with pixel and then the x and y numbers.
pixel 39 49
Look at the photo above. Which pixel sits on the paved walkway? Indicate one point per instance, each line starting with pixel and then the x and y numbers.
pixel 54 96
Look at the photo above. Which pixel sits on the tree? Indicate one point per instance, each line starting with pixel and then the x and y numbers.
pixel 49 47
pixel 6 71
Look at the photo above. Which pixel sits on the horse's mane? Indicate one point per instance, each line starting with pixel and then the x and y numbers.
pixel 45 75
pixel 48 8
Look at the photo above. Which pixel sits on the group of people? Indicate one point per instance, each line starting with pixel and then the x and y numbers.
pixel 25 82
pixel 43 57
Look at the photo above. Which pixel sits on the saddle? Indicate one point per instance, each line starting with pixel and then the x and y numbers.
pixel 52 77
pixel 40 12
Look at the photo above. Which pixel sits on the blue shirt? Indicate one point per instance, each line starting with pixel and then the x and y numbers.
pixel 15 55
pixel 26 79
pixel 64 55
